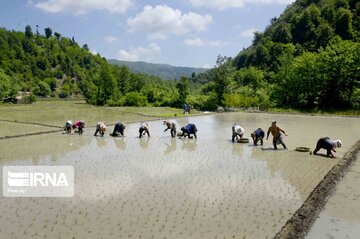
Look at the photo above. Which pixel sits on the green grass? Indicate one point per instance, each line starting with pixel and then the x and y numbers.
pixel 56 113
pixel 345 113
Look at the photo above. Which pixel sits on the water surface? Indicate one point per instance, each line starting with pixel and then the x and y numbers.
pixel 160 187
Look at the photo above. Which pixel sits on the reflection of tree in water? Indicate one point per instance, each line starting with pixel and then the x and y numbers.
pixel 170 147
pixel 120 143
pixel 144 142
pixel 189 144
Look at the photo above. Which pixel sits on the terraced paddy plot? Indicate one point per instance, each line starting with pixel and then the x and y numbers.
pixel 57 113
pixel 160 187
pixel 13 128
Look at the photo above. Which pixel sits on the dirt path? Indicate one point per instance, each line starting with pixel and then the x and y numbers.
pixel 301 222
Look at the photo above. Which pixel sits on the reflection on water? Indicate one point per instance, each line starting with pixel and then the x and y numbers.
pixel 170 147
pixel 120 143
pixel 144 142
pixel 188 144
pixel 169 187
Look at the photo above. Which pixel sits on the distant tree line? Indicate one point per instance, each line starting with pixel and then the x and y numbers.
pixel 50 65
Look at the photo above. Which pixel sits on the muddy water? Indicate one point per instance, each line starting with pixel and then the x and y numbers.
pixel 160 187
pixel 341 215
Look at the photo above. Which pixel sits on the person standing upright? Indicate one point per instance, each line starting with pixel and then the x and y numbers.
pixel 276 133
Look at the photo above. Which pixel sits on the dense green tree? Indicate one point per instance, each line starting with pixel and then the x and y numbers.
pixel 183 89
pixel 57 35
pixel 282 33
pixel 344 23
pixel 48 32
pixel 86 47
pixel 42 89
pixel 135 99
pixel 221 76
pixel 28 31
pixel 340 64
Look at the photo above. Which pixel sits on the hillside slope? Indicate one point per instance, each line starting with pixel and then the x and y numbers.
pixel 306 25
pixel 164 71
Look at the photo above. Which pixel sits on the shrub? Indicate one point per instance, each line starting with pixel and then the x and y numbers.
pixel 135 99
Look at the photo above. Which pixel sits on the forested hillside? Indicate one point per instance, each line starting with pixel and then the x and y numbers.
pixel 50 65
pixel 310 55
pixel 164 71
pixel 308 59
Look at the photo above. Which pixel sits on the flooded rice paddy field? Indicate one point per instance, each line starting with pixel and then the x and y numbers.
pixel 341 215
pixel 160 187
pixel 13 128
pixel 58 112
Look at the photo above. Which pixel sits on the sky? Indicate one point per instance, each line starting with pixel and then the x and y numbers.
pixel 181 33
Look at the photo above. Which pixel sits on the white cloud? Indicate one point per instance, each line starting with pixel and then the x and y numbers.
pixel 207 66
pixel 249 32
pixel 110 39
pixel 200 42
pixel 94 52
pixel 161 20
pixel 139 53
pixel 224 4
pixel 80 7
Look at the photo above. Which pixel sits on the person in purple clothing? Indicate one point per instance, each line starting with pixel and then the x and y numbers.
pixel 188 130
pixel 329 145
pixel 79 125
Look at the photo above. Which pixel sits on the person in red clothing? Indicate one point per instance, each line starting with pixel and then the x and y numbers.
pixel 79 125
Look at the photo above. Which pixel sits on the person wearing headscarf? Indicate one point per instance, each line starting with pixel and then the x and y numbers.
pixel 188 130
pixel 100 128
pixel 329 145
pixel 79 125
pixel 144 129
pixel 68 126
pixel 170 125
pixel 237 132
pixel 118 129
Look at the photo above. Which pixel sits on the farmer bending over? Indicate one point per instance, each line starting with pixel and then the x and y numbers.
pixel 118 129
pixel 188 130
pixel 257 135
pixel 80 125
pixel 100 128
pixel 172 126
pixel 67 126
pixel 329 145
pixel 237 132
pixel 144 129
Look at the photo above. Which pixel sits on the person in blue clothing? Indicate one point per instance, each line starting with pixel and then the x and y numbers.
pixel 329 145
pixel 257 135
pixel 118 129
pixel 188 130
